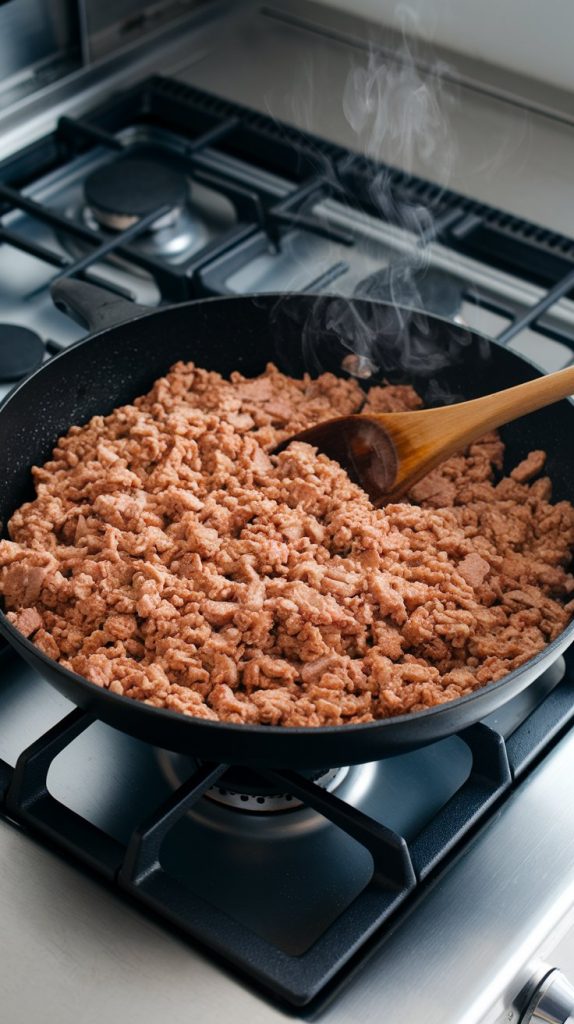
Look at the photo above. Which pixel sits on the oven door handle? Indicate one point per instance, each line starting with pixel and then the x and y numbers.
pixel 552 1001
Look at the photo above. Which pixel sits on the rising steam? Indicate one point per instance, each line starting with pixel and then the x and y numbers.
pixel 400 112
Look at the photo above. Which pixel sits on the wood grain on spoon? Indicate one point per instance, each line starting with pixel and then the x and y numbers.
pixel 386 453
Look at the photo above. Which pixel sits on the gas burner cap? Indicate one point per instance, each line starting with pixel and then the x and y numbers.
pixel 429 289
pixel 21 351
pixel 261 799
pixel 122 192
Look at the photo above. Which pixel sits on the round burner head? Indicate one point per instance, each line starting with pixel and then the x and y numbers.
pixel 261 799
pixel 122 192
pixel 21 352
pixel 430 289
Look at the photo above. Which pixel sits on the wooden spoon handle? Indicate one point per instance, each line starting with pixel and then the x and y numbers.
pixel 451 428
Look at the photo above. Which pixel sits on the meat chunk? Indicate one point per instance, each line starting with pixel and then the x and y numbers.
pixel 28 620
pixel 529 468
pixel 474 569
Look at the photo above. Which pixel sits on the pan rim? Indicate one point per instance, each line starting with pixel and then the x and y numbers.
pixel 559 644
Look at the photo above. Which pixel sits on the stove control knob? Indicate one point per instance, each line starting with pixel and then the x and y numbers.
pixel 552 1001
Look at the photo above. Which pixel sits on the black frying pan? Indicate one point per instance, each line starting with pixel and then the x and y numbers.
pixel 297 332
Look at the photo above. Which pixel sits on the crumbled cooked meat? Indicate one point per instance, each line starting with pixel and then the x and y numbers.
pixel 168 557
pixel 529 467
pixel 392 398
pixel 474 569
pixel 28 620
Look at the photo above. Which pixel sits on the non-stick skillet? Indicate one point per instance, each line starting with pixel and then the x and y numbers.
pixel 298 332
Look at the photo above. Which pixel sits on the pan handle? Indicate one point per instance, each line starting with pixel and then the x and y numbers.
pixel 93 307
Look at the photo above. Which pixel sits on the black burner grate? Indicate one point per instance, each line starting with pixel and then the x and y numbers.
pixel 399 866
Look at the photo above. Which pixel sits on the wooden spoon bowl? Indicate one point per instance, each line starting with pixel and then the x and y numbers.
pixel 387 453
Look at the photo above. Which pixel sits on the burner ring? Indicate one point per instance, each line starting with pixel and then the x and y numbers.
pixel 122 192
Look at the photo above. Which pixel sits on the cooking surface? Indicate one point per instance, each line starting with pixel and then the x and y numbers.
pixel 461 947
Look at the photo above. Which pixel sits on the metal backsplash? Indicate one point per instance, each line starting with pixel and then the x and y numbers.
pixel 109 25
pixel 44 40
pixel 39 42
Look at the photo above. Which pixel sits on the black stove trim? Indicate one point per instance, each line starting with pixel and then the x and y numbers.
pixel 399 866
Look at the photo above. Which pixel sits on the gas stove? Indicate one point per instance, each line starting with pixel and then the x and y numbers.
pixel 321 895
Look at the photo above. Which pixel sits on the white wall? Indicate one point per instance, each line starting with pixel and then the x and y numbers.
pixel 533 37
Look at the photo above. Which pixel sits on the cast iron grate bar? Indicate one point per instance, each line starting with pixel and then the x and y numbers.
pixel 193 267
pixel 553 715
pixel 302 154
pixel 71 130
pixel 531 316
pixel 28 800
pixel 294 978
pixel 247 201
pixel 489 778
pixel 142 855
pixel 450 207
pixel 330 275
pixel 172 285
pixel 440 224
pixel 290 210
pixel 357 172
pixel 110 246
pixel 251 135
pixel 184 281
pixel 212 136
pixel 451 210
pixel 391 859
pixel 55 259
pixel 309 223
pixel 32 248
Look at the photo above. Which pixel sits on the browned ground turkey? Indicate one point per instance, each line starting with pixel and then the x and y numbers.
pixel 169 558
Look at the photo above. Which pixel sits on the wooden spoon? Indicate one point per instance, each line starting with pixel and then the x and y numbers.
pixel 386 453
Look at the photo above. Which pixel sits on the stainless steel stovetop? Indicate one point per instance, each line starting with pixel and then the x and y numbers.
pixel 469 944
